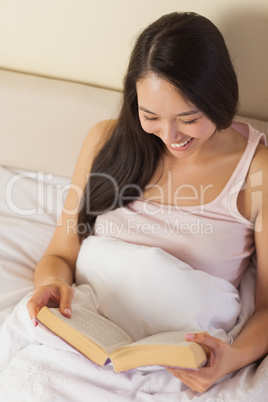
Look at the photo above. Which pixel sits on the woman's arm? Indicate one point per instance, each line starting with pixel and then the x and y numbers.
pixel 54 274
pixel 252 343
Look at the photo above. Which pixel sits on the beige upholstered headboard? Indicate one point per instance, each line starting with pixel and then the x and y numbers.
pixel 44 121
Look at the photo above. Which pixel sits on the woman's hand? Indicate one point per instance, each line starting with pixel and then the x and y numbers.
pixel 55 294
pixel 220 358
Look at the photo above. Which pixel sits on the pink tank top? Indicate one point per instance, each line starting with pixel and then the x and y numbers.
pixel 214 237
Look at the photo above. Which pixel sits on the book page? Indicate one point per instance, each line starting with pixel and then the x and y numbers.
pixel 96 327
pixel 165 338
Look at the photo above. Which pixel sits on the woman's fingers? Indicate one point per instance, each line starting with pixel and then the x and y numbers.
pixel 54 295
pixel 42 296
pixel 200 380
pixel 209 342
pixel 32 309
pixel 66 298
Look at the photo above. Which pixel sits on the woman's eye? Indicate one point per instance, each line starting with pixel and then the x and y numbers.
pixel 146 118
pixel 190 122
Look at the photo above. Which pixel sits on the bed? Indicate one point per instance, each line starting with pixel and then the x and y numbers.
pixel 35 171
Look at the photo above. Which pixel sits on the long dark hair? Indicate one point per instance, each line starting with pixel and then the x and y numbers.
pixel 187 50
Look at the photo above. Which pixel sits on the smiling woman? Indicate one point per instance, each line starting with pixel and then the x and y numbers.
pixel 186 55
pixel 173 172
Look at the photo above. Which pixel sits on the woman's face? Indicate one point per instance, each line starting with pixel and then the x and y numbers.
pixel 165 113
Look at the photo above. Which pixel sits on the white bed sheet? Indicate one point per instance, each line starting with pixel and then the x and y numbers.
pixel 29 206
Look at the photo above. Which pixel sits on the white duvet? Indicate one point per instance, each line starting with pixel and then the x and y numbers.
pixel 127 283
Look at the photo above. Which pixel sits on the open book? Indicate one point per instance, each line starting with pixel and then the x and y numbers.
pixel 100 340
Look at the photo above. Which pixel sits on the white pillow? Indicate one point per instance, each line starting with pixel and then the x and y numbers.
pixel 145 290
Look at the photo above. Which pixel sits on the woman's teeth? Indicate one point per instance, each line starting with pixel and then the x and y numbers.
pixel 182 144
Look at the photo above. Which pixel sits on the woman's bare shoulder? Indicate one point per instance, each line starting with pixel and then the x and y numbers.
pixel 95 139
pixel 104 127
pixel 99 134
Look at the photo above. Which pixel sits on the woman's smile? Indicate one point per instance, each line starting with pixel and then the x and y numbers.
pixel 181 145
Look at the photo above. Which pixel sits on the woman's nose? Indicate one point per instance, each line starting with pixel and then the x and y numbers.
pixel 169 132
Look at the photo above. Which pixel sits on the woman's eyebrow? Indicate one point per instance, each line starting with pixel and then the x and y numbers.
pixel 187 113
pixel 146 110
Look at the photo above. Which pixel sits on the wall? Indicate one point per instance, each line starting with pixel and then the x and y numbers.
pixel 90 41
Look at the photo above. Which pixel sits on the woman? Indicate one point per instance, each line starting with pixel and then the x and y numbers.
pixel 174 154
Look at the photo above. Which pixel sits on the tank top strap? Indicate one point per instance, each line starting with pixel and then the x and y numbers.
pixel 241 171
pixel 237 181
